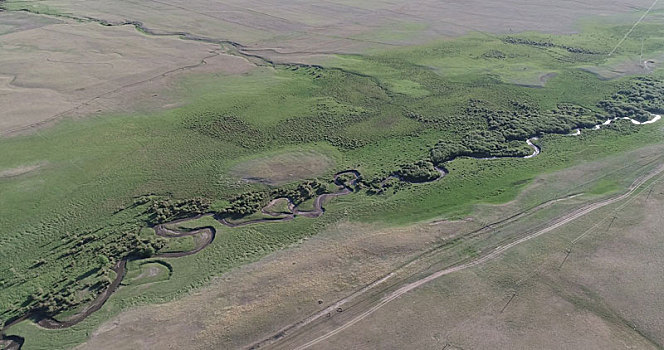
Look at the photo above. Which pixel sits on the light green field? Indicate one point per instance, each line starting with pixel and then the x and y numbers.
pixel 355 113
pixel 147 272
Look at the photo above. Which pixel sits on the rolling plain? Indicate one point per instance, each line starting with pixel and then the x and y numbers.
pixel 335 174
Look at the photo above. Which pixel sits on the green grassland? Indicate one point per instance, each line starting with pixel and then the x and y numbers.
pixel 281 206
pixel 179 244
pixel 375 113
pixel 145 272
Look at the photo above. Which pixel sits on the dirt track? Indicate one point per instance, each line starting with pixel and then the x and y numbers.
pixel 208 235
pixel 374 306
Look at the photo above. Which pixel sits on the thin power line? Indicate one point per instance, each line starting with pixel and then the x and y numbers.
pixel 634 26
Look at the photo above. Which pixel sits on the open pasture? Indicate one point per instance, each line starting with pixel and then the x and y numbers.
pixel 283 168
pixel 591 284
pixel 52 69
pixel 288 29
pixel 235 310
pixel 82 197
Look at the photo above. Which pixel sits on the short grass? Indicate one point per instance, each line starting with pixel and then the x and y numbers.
pixel 353 112
pixel 287 166
pixel 145 272
pixel 253 217
pixel 307 205
pixel 281 206
pixel 604 187
pixel 180 244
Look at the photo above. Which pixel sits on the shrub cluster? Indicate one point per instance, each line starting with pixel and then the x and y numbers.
pixel 525 122
pixel 495 54
pixel 380 186
pixel 68 295
pixel 479 144
pixel 245 204
pixel 637 101
pixel 420 171
pixel 168 210
pixel 251 202
pixel 229 128
pixel 537 43
pixel 325 125
pixel 348 180
pixel 529 42
pixel 302 192
pixel 508 129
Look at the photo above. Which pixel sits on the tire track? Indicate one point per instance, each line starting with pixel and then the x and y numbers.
pixel 282 333
pixel 633 27
pixel 486 258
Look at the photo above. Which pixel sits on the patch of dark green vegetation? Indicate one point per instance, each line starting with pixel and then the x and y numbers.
pixel 505 130
pixel 348 180
pixel 165 210
pixel 420 171
pixel 108 244
pixel 525 121
pixel 479 144
pixel 395 113
pixel 343 98
pixel 376 186
pixel 638 101
pixel 495 54
pixel 540 43
pixel 229 128
pixel 252 202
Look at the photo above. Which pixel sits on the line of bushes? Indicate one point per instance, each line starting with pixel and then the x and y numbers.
pixel 251 202
pixel 642 97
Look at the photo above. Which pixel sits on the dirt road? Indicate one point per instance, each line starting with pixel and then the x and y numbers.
pixel 495 253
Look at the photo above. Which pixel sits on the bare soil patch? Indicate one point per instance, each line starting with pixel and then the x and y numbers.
pixel 150 271
pixel 283 168
pixel 278 206
pixel 538 81
pixel 633 66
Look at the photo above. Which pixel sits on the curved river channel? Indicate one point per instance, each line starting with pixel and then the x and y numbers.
pixel 207 234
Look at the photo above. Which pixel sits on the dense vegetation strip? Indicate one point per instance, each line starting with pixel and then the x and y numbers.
pixel 395 116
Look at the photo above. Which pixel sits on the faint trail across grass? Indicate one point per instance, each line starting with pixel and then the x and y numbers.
pixel 633 27
pixel 494 254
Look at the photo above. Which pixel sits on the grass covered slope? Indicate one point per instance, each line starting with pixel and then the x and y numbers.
pixel 100 182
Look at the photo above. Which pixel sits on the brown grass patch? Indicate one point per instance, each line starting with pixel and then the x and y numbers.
pixel 606 296
pixel 20 170
pixel 283 168
pixel 51 70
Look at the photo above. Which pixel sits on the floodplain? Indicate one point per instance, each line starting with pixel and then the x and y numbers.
pixel 173 177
